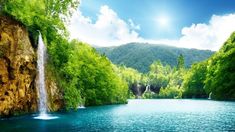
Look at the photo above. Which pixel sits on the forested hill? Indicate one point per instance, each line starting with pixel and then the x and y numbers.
pixel 141 55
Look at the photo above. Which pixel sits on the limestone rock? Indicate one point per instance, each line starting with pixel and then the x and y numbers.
pixel 55 99
pixel 54 95
pixel 18 73
pixel 17 69
pixel 138 89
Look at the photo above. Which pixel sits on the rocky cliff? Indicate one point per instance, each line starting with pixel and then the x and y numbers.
pixel 138 89
pixel 18 72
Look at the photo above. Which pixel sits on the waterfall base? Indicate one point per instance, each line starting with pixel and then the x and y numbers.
pixel 81 107
pixel 45 117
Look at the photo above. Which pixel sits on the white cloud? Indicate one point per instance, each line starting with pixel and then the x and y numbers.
pixel 208 36
pixel 110 30
pixel 133 26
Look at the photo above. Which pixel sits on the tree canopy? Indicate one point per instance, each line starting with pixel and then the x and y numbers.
pixel 140 56
pixel 84 76
pixel 220 78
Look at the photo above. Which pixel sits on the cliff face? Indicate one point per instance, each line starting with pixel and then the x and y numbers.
pixel 138 89
pixel 54 95
pixel 17 69
pixel 18 72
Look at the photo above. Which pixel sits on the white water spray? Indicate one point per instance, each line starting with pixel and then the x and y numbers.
pixel 42 105
pixel 41 77
pixel 210 95
pixel 147 89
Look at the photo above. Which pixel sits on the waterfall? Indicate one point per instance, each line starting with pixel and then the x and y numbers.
pixel 41 77
pixel 147 88
pixel 42 105
pixel 210 95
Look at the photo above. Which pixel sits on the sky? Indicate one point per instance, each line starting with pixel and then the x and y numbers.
pixel 200 24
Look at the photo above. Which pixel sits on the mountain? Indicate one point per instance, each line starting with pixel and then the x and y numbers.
pixel 141 55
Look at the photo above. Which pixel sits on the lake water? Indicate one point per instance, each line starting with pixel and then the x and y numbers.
pixel 137 115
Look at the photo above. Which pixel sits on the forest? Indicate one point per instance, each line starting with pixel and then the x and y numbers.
pixel 89 78
pixel 168 65
pixel 84 76
pixel 212 78
pixel 141 55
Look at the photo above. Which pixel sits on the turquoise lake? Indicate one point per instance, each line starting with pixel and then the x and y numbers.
pixel 137 115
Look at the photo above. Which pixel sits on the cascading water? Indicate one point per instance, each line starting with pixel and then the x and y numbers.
pixel 210 95
pixel 147 89
pixel 41 77
pixel 42 105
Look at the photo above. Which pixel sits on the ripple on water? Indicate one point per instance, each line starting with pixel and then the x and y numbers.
pixel 137 115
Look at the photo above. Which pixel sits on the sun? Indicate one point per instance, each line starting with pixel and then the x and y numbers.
pixel 163 21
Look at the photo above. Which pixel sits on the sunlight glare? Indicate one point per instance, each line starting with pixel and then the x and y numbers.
pixel 163 21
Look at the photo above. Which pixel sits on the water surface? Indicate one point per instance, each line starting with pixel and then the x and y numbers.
pixel 137 115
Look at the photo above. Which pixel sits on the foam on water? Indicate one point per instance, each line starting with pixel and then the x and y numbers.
pixel 45 117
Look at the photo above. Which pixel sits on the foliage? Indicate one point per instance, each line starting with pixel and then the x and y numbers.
pixel 82 74
pixel 168 80
pixel 87 77
pixel 180 62
pixel 140 56
pixel 47 17
pixel 93 75
pixel 171 91
pixel 158 74
pixel 193 83
pixel 216 76
pixel 220 78
pixel 42 15
pixel 131 77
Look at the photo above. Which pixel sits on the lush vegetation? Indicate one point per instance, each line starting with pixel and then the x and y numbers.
pixel 166 81
pixel 163 81
pixel 84 76
pixel 93 76
pixel 193 84
pixel 220 77
pixel 141 55
pixel 215 76
pixel 132 77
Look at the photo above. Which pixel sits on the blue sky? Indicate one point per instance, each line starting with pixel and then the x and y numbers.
pixel 171 22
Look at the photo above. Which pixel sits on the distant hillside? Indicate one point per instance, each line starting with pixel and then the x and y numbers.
pixel 141 55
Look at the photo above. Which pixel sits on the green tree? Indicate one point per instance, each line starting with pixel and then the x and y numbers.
pixel 158 74
pixel 131 77
pixel 220 78
pixel 180 62
pixel 171 91
pixel 193 83
pixel 82 74
pixel 93 77
pixel 167 79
